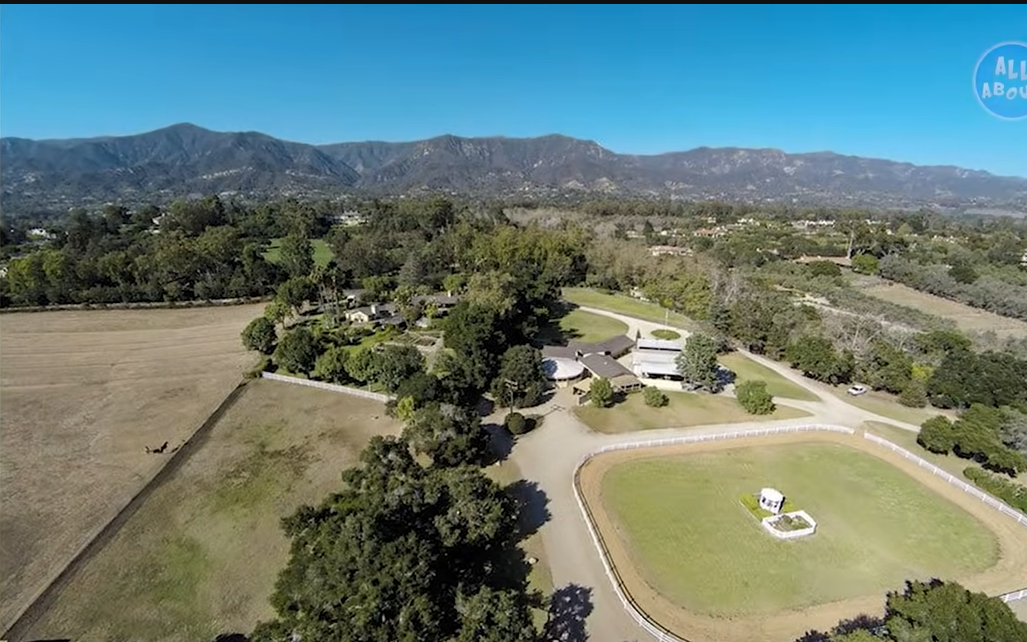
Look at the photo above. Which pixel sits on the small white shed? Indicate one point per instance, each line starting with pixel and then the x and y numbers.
pixel 771 500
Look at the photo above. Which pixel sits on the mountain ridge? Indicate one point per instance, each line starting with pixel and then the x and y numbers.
pixel 184 159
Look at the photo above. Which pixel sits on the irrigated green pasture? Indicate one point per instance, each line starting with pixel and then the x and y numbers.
pixel 691 539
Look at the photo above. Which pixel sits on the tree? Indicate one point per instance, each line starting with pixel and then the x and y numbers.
pixel 601 393
pixel 260 335
pixel 934 611
pixel 395 364
pixel 401 554
pixel 654 397
pixel 697 363
pixel 816 357
pixel 521 379
pixel 296 255
pixel 297 351
pixel 495 616
pixel 516 423
pixel 277 311
pixel 824 268
pixel 297 291
pixel 331 366
pixel 947 612
pixel 864 264
pixel 936 435
pixel 753 396
pixel 914 394
pixel 449 435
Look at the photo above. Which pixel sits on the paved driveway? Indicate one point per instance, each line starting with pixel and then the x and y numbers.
pixel 549 456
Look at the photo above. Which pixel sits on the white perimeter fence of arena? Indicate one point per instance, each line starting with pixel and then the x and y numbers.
pixel 998 505
pixel 663 635
pixel 330 387
pixel 636 613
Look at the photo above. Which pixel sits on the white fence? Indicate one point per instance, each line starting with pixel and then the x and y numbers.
pixel 1000 506
pixel 640 618
pixel 330 387
pixel 1014 596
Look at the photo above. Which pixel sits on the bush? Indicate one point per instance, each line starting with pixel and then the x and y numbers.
pixel 754 398
pixel 516 423
pixel 914 395
pixel 654 397
pixel 937 435
pixel 601 393
pixel 1011 493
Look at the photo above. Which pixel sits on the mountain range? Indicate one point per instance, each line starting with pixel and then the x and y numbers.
pixel 185 159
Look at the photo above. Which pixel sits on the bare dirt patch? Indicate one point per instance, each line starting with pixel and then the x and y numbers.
pixel 200 557
pixel 1008 574
pixel 966 317
pixel 82 393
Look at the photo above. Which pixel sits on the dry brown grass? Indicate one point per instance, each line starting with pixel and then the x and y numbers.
pixel 967 318
pixel 200 557
pixel 81 394
pixel 1010 573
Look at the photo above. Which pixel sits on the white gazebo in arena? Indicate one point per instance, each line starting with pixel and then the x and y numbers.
pixel 771 500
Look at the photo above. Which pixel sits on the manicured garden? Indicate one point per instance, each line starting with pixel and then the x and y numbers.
pixel 680 518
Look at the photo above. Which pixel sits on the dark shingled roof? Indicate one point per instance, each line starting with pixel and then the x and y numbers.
pixel 601 365
pixel 616 346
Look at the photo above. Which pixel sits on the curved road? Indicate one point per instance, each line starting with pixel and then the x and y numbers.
pixel 548 457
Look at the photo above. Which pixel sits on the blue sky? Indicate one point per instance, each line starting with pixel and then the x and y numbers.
pixel 891 81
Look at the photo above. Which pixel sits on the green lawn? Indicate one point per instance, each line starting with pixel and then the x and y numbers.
pixel 746 369
pixel 886 405
pixel 628 306
pixel 665 334
pixel 694 541
pixel 322 253
pixel 586 326
pixel 685 409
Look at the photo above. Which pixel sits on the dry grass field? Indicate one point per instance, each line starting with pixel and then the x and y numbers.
pixel 200 556
pixel 81 394
pixel 967 318
pixel 853 585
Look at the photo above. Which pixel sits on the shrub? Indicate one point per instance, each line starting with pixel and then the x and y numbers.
pixel 654 397
pixel 601 393
pixel 754 398
pixel 516 423
pixel 937 435
pixel 1011 493
pixel 914 395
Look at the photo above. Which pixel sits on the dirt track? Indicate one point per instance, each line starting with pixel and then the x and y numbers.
pixel 1008 574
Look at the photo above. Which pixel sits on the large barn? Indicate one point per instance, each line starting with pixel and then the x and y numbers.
pixel 657 359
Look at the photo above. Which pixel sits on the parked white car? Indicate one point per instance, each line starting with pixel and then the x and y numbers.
pixel 857 390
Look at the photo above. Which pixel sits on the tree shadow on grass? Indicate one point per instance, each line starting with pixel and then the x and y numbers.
pixel 532 507
pixel 569 607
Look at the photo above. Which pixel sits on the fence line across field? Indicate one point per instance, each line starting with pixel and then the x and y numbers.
pixel 330 387
pixel 663 635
